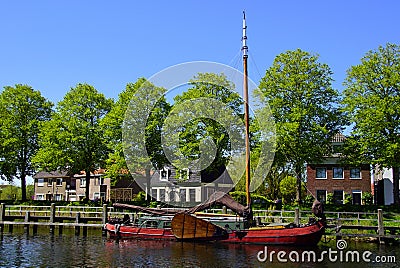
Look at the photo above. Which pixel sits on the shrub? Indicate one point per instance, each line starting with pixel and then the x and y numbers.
pixel 348 199
pixel 329 199
pixel 367 198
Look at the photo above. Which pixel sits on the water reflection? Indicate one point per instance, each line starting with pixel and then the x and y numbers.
pixel 68 250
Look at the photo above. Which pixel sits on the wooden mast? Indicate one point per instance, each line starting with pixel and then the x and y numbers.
pixel 246 110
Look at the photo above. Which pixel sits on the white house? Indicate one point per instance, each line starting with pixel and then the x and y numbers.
pixel 383 186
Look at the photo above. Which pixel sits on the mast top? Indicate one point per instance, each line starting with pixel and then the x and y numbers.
pixel 244 37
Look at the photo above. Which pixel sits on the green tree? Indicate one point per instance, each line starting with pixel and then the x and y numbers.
pixel 142 108
pixel 195 133
pixel 21 110
pixel 372 102
pixel 304 106
pixel 288 189
pixel 73 139
pixel 273 180
pixel 11 192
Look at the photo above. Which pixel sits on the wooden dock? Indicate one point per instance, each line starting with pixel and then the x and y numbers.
pixel 31 217
pixel 339 224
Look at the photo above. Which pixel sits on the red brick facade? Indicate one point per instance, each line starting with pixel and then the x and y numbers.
pixel 348 183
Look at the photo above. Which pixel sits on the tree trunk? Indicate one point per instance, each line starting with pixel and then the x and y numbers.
pixel 396 198
pixel 148 188
pixel 298 177
pixel 87 188
pixel 23 187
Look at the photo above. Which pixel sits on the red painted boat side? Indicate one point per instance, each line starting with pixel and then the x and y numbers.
pixel 306 235
pixel 135 232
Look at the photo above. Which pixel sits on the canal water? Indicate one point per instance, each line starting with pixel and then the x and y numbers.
pixel 18 249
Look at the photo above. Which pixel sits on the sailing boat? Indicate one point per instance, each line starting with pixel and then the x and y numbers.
pixel 188 226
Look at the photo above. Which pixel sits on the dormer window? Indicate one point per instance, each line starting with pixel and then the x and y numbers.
pixel 184 174
pixel 164 174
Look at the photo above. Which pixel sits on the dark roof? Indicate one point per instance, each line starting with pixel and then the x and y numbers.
pixel 51 174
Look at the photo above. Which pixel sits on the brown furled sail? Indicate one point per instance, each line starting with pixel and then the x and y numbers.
pixel 189 227
pixel 220 198
pixel 154 211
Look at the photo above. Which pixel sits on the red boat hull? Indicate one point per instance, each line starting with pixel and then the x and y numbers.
pixel 297 236
pixel 304 236
pixel 129 231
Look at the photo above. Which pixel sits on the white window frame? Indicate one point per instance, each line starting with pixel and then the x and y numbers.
pixel 184 172
pixel 182 195
pixel 58 180
pixel 343 194
pixel 326 194
pixel 166 177
pixel 40 182
pixel 320 178
pixel 40 197
pixel 359 174
pixel 82 182
pixel 333 173
pixel 357 192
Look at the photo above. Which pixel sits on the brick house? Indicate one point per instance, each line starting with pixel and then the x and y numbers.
pixel 62 186
pixel 330 175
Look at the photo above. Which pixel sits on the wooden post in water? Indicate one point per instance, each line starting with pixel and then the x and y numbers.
pixel 77 220
pixel 2 216
pixel 297 216
pixel 52 217
pixel 104 219
pixel 60 228
pixel 26 220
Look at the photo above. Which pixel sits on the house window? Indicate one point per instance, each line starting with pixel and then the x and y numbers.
pixel 59 181
pixel 96 196
pixel 154 194
pixel 192 195
pixel 321 196
pixel 172 196
pixel 184 174
pixel 162 195
pixel 58 197
pixel 40 196
pixel 355 173
pixel 182 195
pixel 337 173
pixel 338 196
pixel 40 183
pixel 49 182
pixel 320 173
pixel 164 174
pixel 356 197
pixel 83 182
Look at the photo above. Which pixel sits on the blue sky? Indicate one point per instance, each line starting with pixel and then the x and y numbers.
pixel 53 45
